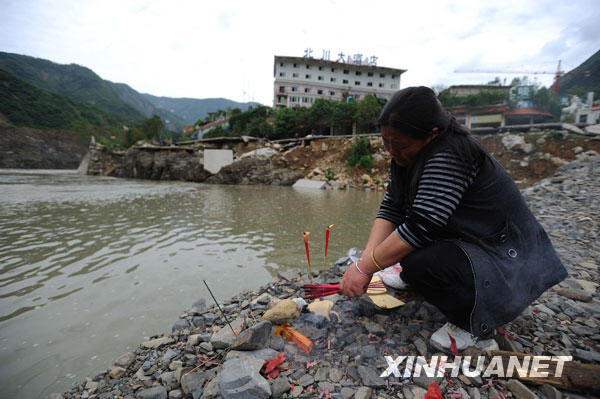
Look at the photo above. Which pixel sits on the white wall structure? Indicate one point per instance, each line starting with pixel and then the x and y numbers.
pixel 301 80
pixel 214 160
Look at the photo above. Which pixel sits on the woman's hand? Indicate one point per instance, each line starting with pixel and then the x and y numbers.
pixel 354 283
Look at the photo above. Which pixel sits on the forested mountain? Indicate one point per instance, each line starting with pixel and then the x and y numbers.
pixel 581 84
pixel 191 109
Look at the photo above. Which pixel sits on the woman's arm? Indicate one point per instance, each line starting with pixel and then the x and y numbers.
pixel 390 248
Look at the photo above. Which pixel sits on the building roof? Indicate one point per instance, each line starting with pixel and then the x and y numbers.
pixel 215 123
pixel 339 64
pixel 527 111
pixel 479 109
pixel 479 87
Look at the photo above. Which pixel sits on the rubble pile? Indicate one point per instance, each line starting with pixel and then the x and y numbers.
pixel 206 357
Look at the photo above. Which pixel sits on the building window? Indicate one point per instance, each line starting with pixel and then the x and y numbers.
pixel 320 68
pixel 307 76
pixel 332 79
pixel 356 83
pixel 380 84
pixel 281 64
pixel 320 78
pixel 583 118
pixel 307 89
pixel 358 73
pixel 345 81
pixel 281 99
pixel 382 75
pixel 320 91
pixel 332 93
pixel 282 74
pixel 394 86
pixel 393 76
pixel 294 75
pixel 282 89
pixel 295 65
pixel 332 69
pixel 294 88
pixel 307 66
pixel 346 72
pixel 357 96
pixel 370 84
pixel 369 73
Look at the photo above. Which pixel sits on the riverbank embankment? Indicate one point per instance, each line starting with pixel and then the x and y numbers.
pixel 528 156
pixel 204 358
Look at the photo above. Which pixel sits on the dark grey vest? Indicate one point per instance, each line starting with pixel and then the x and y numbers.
pixel 511 256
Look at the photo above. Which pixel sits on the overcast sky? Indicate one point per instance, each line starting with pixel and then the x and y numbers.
pixel 202 49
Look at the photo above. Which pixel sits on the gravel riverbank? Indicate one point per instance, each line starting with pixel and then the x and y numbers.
pixel 202 358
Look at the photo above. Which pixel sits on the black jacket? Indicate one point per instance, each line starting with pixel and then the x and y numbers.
pixel 511 256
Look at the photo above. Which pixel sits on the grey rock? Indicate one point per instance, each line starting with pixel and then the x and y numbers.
pixel 373 328
pixel 206 347
pixel 211 391
pixel 190 382
pixel 125 360
pixel 224 337
pixel 421 346
pixel 318 321
pixel 321 374
pixel 181 324
pixel 586 356
pixel 424 381
pixel 347 393
pixel 368 351
pixel 519 390
pixel 280 386
pixel 370 377
pixel 175 394
pixel 550 392
pixel 363 393
pixel 255 337
pixel 276 342
pixel 474 393
pixel 335 375
pixel 306 380
pixel 238 380
pixel 326 386
pixel 168 355
pixel 157 392
pixel 413 392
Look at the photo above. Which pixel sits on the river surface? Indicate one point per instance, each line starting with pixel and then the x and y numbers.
pixel 92 266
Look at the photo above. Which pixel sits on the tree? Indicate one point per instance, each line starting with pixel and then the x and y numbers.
pixel 343 116
pixel 320 115
pixel 544 100
pixel 285 123
pixel 367 113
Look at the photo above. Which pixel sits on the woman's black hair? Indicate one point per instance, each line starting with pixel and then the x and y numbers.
pixel 416 111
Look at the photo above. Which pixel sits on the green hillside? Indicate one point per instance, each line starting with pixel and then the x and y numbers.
pixel 73 81
pixel 147 108
pixel 192 109
pixel 581 84
pixel 26 105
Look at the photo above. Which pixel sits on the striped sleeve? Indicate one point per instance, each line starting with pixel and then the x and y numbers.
pixel 443 182
pixel 388 211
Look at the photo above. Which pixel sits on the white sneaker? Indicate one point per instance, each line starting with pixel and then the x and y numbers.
pixel 440 339
pixel 391 277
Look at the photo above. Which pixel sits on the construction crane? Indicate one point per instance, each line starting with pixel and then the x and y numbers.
pixel 557 75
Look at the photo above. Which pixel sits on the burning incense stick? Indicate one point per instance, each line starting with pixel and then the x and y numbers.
pixel 326 245
pixel 306 234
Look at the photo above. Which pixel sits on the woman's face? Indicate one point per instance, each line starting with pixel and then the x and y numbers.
pixel 401 146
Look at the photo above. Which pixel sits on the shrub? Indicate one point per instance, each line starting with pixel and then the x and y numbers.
pixel 361 154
